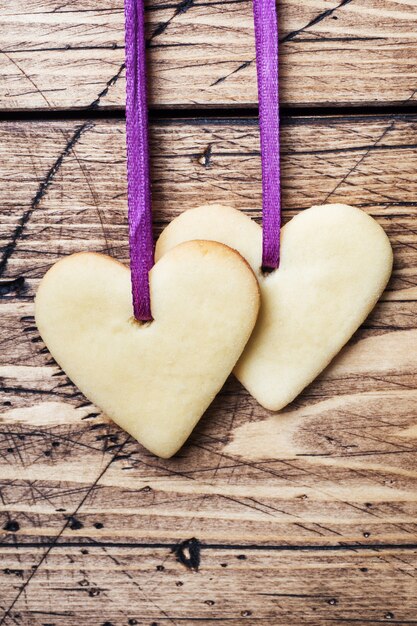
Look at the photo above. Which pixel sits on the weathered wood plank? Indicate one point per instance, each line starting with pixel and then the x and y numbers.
pixel 68 179
pixel 335 468
pixel 136 586
pixel 58 56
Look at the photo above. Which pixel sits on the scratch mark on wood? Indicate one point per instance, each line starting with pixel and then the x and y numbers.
pixel 32 82
pixel 316 20
pixel 358 163
pixel 35 569
pixel 42 190
pixel 289 37
pixel 181 8
pixel 113 80
pixel 241 67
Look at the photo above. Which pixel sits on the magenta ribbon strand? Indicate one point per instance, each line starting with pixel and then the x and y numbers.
pixel 266 40
pixel 138 175
pixel 137 143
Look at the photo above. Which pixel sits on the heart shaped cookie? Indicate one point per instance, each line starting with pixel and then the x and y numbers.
pixel 335 263
pixel 155 379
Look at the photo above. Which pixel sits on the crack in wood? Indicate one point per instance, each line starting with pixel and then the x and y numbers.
pixel 234 547
pixel 65 48
pixel 188 553
pixel 205 158
pixel 14 285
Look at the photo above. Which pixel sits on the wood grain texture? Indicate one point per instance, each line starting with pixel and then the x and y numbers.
pixel 303 517
pixel 81 503
pixel 336 468
pixel 66 181
pixel 57 55
pixel 103 585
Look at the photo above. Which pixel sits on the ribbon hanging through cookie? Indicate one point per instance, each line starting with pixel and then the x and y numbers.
pixel 138 171
pixel 266 41
pixel 138 174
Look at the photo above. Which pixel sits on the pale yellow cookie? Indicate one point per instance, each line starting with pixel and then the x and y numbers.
pixel 156 379
pixel 335 263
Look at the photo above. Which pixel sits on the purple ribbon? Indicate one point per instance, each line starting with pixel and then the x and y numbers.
pixel 266 38
pixel 138 175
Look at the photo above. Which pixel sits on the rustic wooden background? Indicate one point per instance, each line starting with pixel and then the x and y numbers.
pixel 306 517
